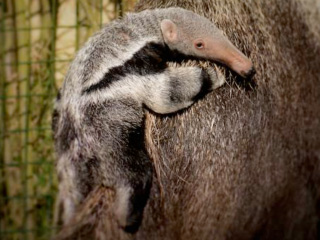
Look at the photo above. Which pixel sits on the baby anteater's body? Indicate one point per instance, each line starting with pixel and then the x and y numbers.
pixel 98 121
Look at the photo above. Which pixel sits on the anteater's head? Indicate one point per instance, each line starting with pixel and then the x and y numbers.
pixel 194 35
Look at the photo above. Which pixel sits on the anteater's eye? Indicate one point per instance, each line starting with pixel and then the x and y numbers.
pixel 199 45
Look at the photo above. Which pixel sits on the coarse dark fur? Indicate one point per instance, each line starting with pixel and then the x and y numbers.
pixel 243 163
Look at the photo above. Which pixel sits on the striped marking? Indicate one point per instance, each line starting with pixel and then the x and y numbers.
pixel 150 59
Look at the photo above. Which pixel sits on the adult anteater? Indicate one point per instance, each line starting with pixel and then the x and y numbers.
pixel 243 163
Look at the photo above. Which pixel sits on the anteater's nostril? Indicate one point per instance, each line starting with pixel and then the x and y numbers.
pixel 250 73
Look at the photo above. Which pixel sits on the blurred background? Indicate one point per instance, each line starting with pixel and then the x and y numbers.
pixel 38 39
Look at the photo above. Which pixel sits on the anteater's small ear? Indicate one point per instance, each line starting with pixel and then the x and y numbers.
pixel 169 31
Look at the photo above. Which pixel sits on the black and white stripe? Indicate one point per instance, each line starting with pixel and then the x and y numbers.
pixel 150 59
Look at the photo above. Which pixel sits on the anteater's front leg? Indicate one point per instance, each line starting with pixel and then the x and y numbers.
pixel 179 87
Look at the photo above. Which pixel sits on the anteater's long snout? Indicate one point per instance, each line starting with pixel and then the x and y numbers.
pixel 238 62
pixel 222 50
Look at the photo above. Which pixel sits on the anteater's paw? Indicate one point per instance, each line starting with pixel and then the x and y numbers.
pixel 217 76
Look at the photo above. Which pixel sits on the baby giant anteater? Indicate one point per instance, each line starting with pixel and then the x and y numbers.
pixel 98 120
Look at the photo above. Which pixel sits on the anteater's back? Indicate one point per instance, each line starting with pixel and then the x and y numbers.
pixel 244 162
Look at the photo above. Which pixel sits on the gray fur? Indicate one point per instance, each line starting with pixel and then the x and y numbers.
pixel 99 134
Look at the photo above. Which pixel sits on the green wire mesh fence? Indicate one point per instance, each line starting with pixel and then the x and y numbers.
pixel 38 39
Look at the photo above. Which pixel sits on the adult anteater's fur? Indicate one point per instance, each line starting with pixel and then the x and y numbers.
pixel 243 163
